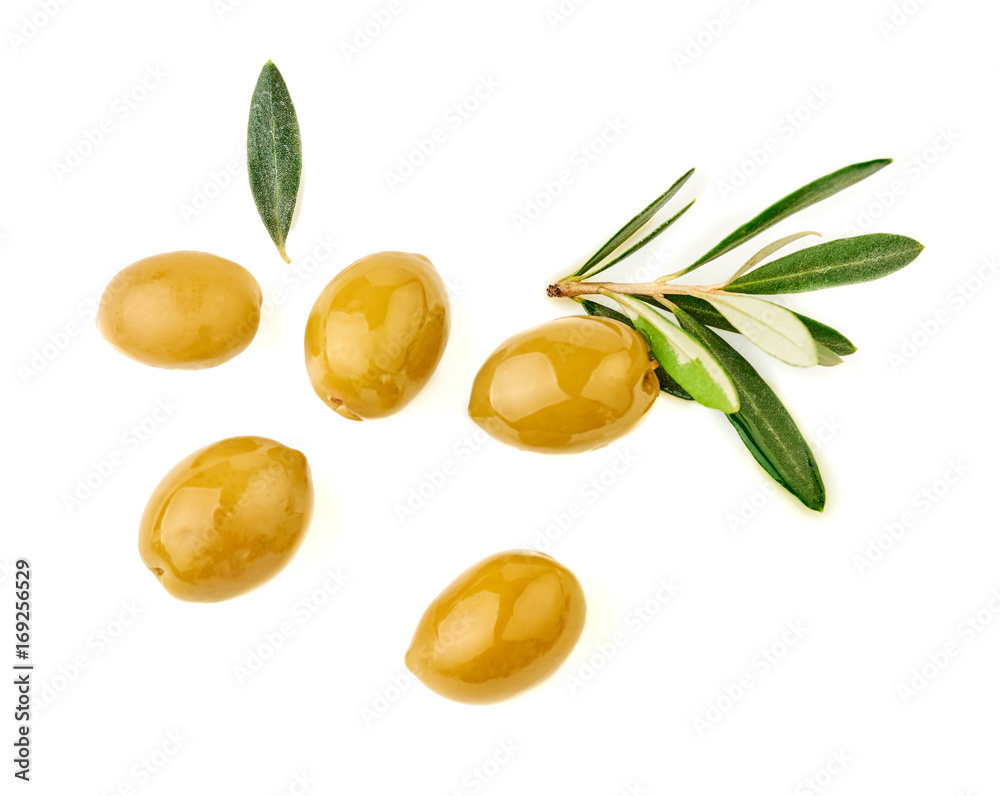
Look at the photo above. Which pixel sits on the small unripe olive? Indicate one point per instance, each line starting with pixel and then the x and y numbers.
pixel 502 626
pixel 572 384
pixel 227 518
pixel 181 310
pixel 376 334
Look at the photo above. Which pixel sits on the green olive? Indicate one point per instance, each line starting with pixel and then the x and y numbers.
pixel 572 384
pixel 181 310
pixel 376 334
pixel 226 519
pixel 501 627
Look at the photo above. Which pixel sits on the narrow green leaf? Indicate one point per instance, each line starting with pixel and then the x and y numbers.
pixel 763 422
pixel 686 360
pixel 769 327
pixel 708 315
pixel 633 249
pixel 634 225
pixel 667 383
pixel 274 154
pixel 808 195
pixel 839 262
pixel 766 252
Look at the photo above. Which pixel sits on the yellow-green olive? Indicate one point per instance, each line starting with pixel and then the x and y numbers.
pixel 501 627
pixel 227 518
pixel 181 310
pixel 376 334
pixel 572 384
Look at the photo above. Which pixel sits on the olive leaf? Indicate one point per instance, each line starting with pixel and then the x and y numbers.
pixel 808 195
pixel 633 226
pixel 829 338
pixel 771 328
pixel 838 262
pixel 274 154
pixel 766 252
pixel 633 249
pixel 826 358
pixel 763 422
pixel 667 382
pixel 687 361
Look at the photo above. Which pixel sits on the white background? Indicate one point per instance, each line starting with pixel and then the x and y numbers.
pixel 888 424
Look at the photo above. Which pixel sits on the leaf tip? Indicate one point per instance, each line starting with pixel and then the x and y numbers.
pixel 284 254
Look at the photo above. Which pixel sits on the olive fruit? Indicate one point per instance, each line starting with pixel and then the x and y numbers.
pixel 376 334
pixel 227 518
pixel 572 384
pixel 181 310
pixel 501 627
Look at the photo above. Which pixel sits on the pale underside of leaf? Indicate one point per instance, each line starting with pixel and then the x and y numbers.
pixel 683 357
pixel 708 315
pixel 768 326
pixel 766 252
pixel 827 358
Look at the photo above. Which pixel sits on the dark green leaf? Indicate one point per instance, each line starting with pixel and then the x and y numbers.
pixel 274 154
pixel 763 422
pixel 799 200
pixel 667 383
pixel 839 262
pixel 708 315
pixel 633 249
pixel 633 226
pixel 828 337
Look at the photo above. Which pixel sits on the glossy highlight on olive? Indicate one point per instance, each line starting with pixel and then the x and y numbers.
pixel 569 385
pixel 501 627
pixel 376 334
pixel 227 518
pixel 183 309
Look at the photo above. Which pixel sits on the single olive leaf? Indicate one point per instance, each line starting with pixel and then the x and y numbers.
pixel 771 328
pixel 274 154
pixel 651 236
pixel 633 226
pixel 687 361
pixel 667 383
pixel 703 311
pixel 808 195
pixel 766 252
pixel 763 422
pixel 839 262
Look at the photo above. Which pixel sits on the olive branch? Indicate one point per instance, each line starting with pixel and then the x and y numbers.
pixel 695 363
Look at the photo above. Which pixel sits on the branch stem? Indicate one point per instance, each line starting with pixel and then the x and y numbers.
pixel 574 289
